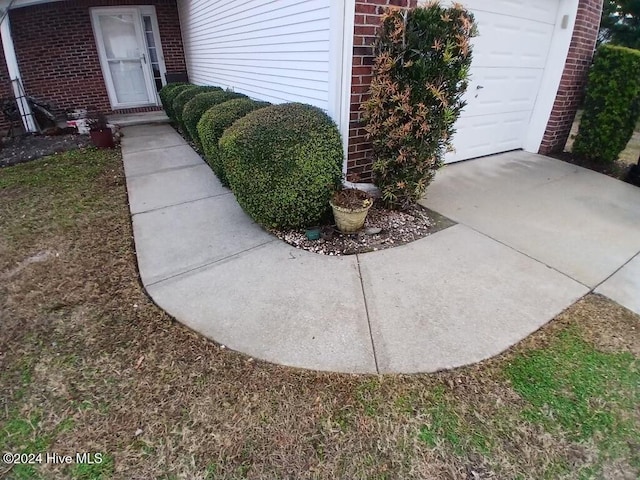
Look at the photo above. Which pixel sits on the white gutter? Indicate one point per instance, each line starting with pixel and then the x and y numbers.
pixel 14 70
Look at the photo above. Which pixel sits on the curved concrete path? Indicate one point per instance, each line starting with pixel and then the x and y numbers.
pixel 454 298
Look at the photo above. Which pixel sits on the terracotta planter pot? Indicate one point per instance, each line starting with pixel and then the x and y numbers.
pixel 349 220
pixel 102 138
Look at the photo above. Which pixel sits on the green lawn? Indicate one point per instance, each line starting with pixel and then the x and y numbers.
pixel 90 364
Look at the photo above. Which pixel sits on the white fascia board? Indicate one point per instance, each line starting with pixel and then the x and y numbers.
pixel 558 51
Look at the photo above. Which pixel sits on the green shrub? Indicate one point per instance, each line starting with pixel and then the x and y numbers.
pixel 215 121
pixel 283 162
pixel 199 104
pixel 183 97
pixel 164 91
pixel 168 93
pixel 612 104
pixel 420 72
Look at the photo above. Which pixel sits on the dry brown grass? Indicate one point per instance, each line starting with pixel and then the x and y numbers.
pixel 631 154
pixel 90 360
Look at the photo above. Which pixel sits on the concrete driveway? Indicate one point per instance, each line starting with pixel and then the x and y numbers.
pixel 534 235
pixel 580 223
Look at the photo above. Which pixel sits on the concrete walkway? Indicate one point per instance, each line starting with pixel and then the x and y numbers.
pixel 464 294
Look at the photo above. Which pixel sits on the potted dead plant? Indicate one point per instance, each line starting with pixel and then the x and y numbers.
pixel 350 207
pixel 100 132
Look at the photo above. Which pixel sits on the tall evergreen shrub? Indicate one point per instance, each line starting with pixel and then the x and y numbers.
pixel 420 72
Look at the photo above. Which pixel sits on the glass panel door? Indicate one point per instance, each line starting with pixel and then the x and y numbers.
pixel 152 49
pixel 122 53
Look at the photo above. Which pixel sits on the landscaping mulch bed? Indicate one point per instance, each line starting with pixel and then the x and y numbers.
pixel 30 147
pixel 383 229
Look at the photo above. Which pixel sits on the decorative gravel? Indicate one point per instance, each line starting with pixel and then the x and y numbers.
pixel 383 229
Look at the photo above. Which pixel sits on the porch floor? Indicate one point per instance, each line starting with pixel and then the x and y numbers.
pixel 145 118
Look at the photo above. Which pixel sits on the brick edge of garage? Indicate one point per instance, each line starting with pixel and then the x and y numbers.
pixel 574 76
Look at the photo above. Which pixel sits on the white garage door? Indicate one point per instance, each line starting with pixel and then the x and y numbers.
pixel 509 58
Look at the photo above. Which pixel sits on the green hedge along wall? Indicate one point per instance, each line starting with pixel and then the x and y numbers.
pixel 612 104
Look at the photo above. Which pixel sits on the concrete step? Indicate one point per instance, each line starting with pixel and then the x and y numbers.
pixel 145 118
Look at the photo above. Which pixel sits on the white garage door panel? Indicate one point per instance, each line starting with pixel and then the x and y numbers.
pixel 509 59
pixel 484 135
pixel 508 42
pixel 504 90
pixel 537 10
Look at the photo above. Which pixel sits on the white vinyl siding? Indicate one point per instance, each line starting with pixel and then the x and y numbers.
pixel 275 50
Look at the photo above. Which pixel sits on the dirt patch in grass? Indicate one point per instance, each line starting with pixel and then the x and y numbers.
pixel 89 364
pixel 631 154
pixel 30 147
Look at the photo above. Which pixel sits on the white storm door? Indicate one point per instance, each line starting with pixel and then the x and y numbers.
pixel 122 51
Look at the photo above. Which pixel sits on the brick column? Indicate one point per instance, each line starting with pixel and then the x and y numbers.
pixel 574 77
pixel 367 21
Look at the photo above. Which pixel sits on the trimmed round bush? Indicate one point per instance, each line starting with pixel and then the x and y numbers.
pixel 283 162
pixel 215 121
pixel 184 96
pixel 168 93
pixel 199 104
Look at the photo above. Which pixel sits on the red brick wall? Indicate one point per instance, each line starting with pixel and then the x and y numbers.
pixel 574 77
pixel 57 54
pixel 367 21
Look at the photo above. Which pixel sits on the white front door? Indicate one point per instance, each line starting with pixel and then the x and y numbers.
pixel 124 57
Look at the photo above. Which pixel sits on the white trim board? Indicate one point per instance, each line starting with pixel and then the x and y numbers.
pixel 552 75
pixel 341 62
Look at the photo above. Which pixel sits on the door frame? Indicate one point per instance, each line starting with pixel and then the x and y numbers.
pixel 138 12
pixel 150 10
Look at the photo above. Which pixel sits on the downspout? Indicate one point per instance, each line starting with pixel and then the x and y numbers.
pixel 14 72
pixel 348 22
